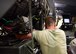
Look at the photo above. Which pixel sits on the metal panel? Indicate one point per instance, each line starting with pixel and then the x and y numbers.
pixel 5 5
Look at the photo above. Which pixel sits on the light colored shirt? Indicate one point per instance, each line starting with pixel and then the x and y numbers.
pixel 73 46
pixel 51 42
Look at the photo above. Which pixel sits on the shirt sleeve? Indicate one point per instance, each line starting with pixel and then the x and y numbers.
pixel 35 34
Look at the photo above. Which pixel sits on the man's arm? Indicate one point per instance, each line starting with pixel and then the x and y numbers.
pixel 24 36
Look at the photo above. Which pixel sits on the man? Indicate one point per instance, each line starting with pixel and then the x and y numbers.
pixel 73 44
pixel 52 40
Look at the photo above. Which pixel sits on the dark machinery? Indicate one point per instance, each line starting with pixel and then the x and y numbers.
pixel 14 20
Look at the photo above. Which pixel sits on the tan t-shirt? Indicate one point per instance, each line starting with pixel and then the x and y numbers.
pixel 51 42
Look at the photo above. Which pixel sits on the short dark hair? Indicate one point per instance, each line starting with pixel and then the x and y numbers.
pixel 49 20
